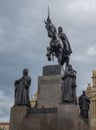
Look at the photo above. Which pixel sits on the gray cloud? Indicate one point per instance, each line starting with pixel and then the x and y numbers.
pixel 5 105
pixel 23 41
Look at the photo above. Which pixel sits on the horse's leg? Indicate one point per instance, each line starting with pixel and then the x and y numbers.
pixel 62 69
pixel 67 61
pixel 62 60
pixel 48 53
pixel 60 56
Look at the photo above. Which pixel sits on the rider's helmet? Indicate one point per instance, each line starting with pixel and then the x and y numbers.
pixel 60 29
pixel 84 92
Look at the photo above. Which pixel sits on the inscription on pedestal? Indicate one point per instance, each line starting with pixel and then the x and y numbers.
pixel 43 110
pixel 50 81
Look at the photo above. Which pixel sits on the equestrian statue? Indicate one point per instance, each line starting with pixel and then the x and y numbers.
pixel 59 45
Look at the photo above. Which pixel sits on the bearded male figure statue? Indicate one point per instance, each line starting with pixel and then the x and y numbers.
pixel 69 86
pixel 22 89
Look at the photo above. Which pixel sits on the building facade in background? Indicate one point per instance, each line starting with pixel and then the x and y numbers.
pixel 4 126
pixel 91 93
pixel 34 100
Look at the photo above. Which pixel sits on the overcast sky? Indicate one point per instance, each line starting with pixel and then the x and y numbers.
pixel 23 42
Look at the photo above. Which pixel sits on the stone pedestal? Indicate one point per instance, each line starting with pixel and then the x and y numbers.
pixel 64 117
pixel 24 118
pixel 68 117
pixel 17 116
pixel 49 87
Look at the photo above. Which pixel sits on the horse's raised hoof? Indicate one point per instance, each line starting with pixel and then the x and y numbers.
pixel 49 59
pixel 47 55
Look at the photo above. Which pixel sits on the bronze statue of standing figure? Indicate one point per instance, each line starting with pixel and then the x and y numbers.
pixel 84 104
pixel 22 89
pixel 69 86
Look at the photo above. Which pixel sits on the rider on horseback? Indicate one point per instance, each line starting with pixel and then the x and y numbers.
pixel 66 46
